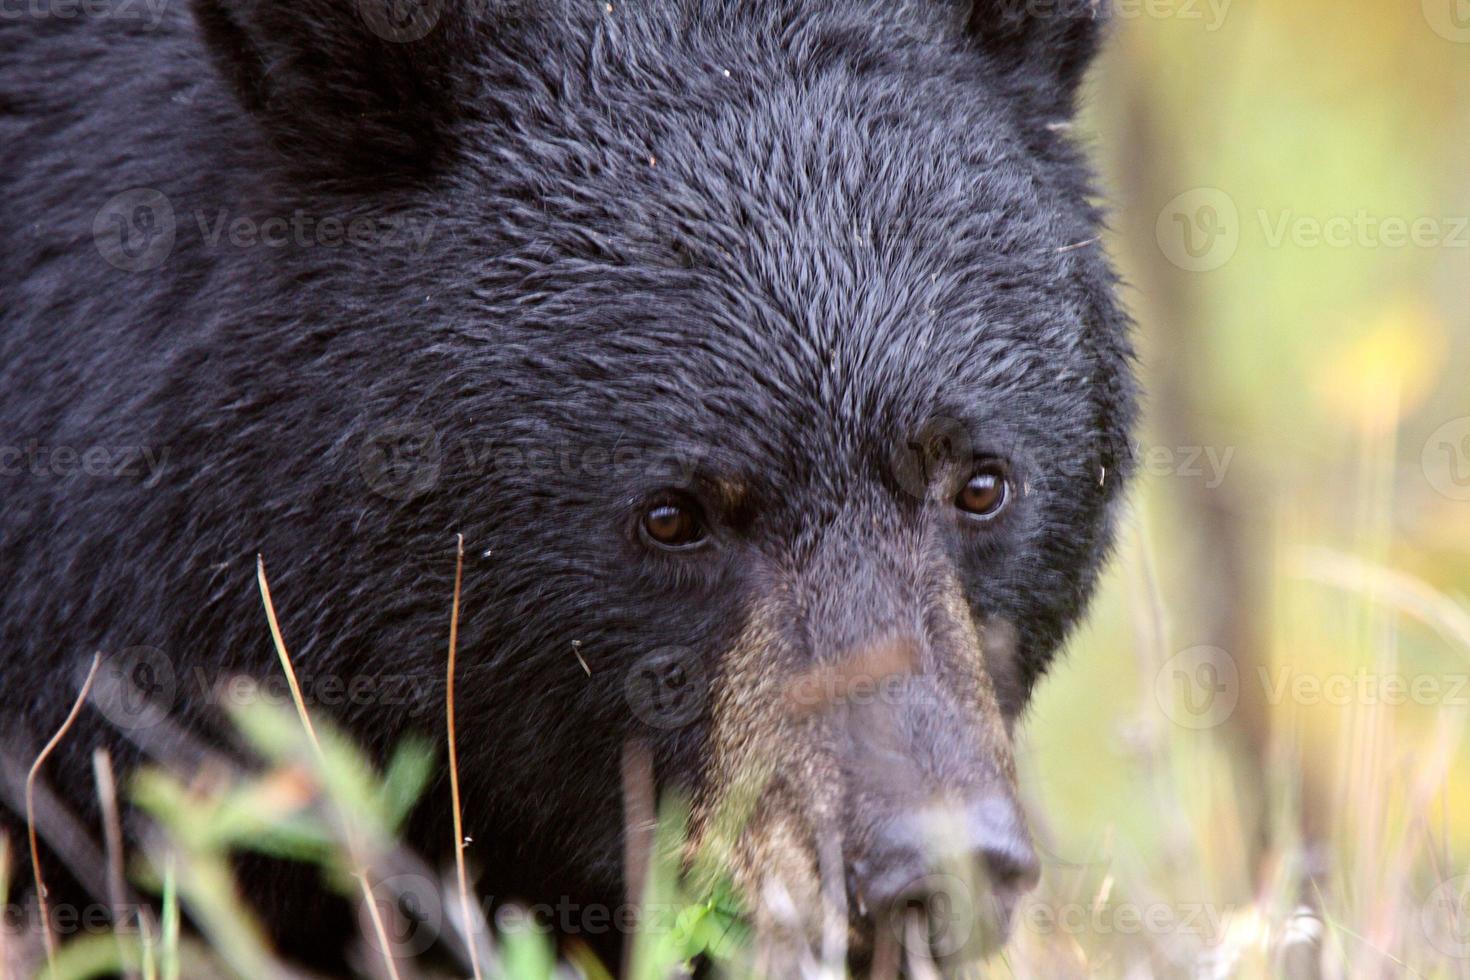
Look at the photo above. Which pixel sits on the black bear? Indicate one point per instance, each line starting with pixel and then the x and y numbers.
pixel 752 347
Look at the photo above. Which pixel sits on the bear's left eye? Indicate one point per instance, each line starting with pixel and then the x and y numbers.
pixel 987 492
pixel 673 524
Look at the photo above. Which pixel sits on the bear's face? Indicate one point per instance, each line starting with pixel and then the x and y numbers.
pixel 808 401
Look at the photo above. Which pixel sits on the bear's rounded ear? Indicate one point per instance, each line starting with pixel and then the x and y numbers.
pixel 358 86
pixel 1045 45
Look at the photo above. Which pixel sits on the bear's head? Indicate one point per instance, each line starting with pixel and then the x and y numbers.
pixel 767 359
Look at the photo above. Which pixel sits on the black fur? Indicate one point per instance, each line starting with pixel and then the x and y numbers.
pixel 761 243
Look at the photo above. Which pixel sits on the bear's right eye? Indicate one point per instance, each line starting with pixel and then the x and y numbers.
pixel 987 491
pixel 673 524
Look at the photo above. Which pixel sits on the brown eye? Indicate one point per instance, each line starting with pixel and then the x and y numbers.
pixel 987 492
pixel 674 524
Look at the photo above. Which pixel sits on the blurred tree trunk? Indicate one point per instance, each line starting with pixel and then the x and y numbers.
pixel 1230 551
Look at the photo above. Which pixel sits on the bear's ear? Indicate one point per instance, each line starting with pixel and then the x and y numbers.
pixel 1045 45
pixel 358 86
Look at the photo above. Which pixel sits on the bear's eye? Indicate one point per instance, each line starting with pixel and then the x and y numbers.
pixel 674 523
pixel 987 492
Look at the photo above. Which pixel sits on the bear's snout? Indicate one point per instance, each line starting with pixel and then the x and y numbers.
pixel 931 823
pixel 961 866
pixel 883 744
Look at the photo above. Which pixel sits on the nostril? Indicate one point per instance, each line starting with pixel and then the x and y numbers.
pixel 998 833
pixel 1011 866
pixel 948 876
pixel 984 843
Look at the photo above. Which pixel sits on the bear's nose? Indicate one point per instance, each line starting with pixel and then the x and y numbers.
pixel 974 859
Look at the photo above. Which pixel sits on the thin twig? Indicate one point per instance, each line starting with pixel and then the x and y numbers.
pixel 113 842
pixel 577 652
pixel 459 869
pixel 640 818
pixel 71 718
pixel 359 869
pixel 921 964
pixel 1398 589
pixel 300 702
pixel 4 897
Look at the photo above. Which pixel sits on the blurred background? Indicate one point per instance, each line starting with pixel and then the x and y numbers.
pixel 1253 760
